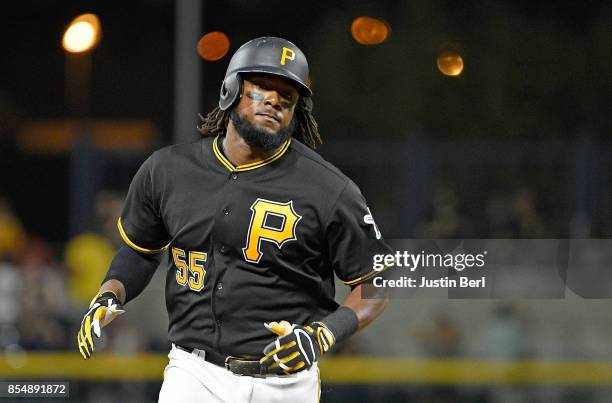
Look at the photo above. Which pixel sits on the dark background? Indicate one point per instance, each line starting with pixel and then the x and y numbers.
pixel 534 71
pixel 518 146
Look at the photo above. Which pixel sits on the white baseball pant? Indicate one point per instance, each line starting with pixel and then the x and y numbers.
pixel 189 379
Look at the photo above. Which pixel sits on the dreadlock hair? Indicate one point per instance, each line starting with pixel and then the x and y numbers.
pixel 307 131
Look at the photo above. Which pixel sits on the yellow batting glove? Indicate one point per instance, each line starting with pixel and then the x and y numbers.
pixel 281 328
pixel 104 308
pixel 297 347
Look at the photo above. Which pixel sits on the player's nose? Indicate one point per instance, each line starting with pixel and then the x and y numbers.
pixel 272 99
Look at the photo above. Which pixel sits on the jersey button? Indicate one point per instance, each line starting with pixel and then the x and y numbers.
pixel 234 176
pixel 223 249
pixel 226 211
pixel 220 286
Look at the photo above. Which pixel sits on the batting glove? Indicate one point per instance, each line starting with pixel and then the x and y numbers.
pixel 297 348
pixel 102 310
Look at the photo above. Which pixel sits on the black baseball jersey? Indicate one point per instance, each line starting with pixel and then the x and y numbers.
pixel 247 244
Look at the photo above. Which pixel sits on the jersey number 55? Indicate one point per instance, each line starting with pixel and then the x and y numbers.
pixel 189 272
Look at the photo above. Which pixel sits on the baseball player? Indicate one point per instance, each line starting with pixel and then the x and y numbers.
pixel 255 225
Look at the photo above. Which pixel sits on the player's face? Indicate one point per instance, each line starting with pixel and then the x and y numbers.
pixel 267 102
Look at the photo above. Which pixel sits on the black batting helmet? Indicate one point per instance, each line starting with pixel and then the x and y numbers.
pixel 264 55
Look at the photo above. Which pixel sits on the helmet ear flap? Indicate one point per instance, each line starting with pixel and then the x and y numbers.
pixel 224 92
pixel 230 89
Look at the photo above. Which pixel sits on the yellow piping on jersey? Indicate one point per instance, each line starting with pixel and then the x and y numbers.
pixel 362 278
pixel 252 165
pixel 366 276
pixel 133 245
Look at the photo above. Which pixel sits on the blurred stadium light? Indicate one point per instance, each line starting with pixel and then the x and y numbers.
pixel 450 64
pixel 369 30
pixel 213 46
pixel 83 34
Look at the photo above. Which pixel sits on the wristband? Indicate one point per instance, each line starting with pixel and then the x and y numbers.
pixel 342 323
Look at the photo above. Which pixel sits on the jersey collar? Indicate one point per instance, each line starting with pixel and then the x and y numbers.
pixel 254 165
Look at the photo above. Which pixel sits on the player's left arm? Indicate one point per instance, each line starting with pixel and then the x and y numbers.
pixel 350 231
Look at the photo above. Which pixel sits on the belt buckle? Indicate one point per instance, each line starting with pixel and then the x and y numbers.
pixel 227 360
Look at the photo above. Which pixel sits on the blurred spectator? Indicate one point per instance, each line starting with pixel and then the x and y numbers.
pixel 527 221
pixel 442 338
pixel 499 217
pixel 10 289
pixel 12 238
pixel 446 222
pixel 504 337
pixel 514 216
pixel 12 234
pixel 107 209
pixel 504 333
pixel 45 321
pixel 88 256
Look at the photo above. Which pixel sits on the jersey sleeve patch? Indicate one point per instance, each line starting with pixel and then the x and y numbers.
pixel 353 237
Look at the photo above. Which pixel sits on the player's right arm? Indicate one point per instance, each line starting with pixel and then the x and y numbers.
pixel 142 228
pixel 128 275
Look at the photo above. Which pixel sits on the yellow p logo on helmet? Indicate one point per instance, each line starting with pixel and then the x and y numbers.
pixel 288 54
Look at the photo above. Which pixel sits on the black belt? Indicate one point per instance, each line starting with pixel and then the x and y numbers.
pixel 238 366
